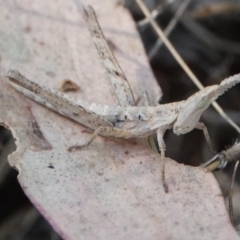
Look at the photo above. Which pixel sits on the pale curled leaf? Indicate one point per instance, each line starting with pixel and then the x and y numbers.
pixel 111 190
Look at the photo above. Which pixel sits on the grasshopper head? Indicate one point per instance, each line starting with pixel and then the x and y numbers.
pixel 191 110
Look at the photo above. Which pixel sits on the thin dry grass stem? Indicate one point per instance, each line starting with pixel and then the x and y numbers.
pixel 160 8
pixel 169 28
pixel 231 194
pixel 181 61
pixel 216 163
pixel 220 160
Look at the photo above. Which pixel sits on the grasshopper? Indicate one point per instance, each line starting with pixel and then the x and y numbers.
pixel 125 120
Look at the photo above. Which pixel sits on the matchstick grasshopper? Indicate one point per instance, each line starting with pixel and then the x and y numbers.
pixel 126 120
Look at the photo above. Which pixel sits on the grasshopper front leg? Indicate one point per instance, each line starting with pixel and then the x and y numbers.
pixel 160 133
pixel 202 127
